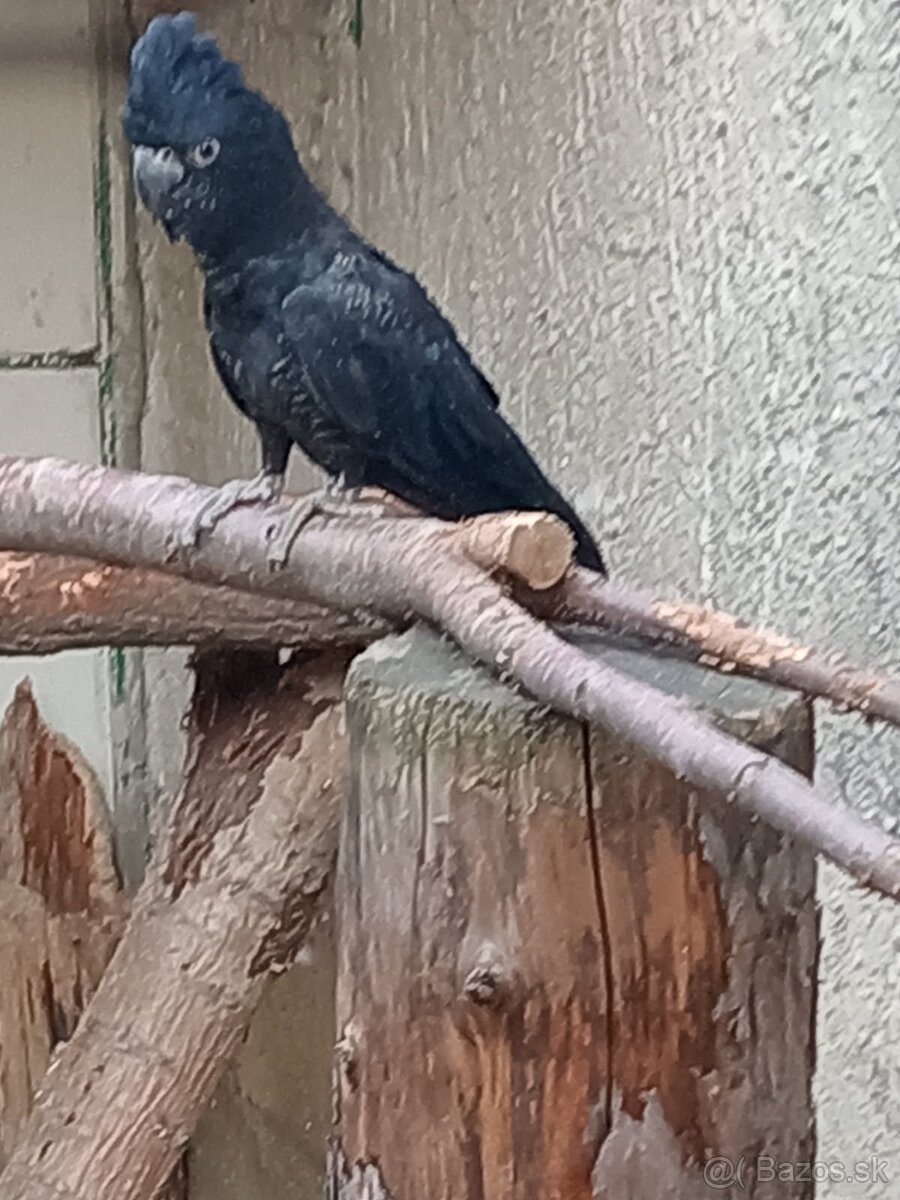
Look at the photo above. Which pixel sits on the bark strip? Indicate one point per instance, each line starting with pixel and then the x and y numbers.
pixel 402 569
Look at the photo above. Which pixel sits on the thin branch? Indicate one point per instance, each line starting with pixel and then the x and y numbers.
pixel 416 568
pixel 721 642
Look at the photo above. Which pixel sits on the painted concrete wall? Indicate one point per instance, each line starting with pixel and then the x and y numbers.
pixel 47 303
pixel 670 232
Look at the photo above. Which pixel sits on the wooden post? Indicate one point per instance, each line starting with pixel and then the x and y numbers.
pixel 563 975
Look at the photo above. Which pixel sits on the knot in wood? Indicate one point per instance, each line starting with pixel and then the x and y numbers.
pixel 486 985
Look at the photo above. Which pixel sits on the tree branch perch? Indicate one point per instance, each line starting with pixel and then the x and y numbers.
pixel 50 603
pixel 722 642
pixel 408 568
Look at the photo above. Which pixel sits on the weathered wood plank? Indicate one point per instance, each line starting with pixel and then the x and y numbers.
pixel 552 950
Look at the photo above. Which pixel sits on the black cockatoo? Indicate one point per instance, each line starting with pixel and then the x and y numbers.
pixel 318 337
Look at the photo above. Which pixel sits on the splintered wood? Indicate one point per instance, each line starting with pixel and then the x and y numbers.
pixel 61 910
pixel 557 966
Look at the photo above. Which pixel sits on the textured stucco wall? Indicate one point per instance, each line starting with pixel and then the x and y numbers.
pixel 669 232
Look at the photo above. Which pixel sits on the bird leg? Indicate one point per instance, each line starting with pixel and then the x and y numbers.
pixel 283 531
pixel 333 500
pixel 264 488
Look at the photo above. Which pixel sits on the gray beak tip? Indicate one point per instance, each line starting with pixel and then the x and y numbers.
pixel 157 170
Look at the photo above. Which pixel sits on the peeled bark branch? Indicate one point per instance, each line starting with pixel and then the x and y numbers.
pixel 229 896
pixel 416 568
pixel 722 642
pixel 50 603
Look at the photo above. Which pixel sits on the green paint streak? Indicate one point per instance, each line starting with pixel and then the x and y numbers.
pixel 108 431
pixel 355 24
pixel 103 222
pixel 103 237
pixel 118 667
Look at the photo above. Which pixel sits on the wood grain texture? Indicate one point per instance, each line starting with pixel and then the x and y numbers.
pixel 546 939
pixel 61 908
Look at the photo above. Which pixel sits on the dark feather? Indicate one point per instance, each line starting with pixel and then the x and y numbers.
pixel 178 79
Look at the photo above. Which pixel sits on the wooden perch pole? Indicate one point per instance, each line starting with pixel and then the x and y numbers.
pixel 229 897
pixel 560 976
pixel 410 568
pixel 52 602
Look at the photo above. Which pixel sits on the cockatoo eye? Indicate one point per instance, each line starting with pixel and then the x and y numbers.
pixel 204 152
